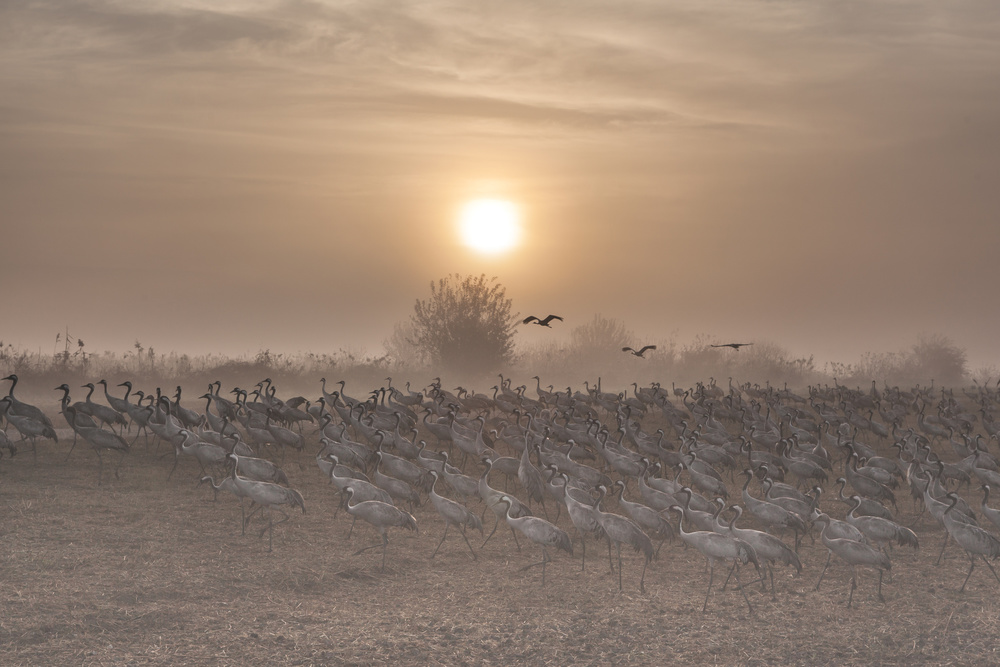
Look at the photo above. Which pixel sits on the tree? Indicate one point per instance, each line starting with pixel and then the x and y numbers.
pixel 939 358
pixel 601 335
pixel 465 324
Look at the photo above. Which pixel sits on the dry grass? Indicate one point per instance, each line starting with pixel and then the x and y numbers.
pixel 145 571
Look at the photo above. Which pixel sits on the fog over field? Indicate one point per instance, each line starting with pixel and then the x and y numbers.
pixel 252 175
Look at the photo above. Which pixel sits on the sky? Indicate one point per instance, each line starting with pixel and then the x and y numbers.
pixel 231 176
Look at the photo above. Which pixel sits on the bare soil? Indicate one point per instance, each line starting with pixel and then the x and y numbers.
pixel 145 571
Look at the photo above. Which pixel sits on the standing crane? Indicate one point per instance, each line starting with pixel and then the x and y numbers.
pixel 855 553
pixel 270 497
pixel 381 516
pixel 972 538
pixel 618 529
pixel 717 547
pixel 454 514
pixel 539 531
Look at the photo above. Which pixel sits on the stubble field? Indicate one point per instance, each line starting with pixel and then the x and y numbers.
pixel 142 570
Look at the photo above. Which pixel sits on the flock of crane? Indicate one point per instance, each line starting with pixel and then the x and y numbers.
pixel 575 449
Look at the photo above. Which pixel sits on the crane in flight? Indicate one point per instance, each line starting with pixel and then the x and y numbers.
pixel 540 322
pixel 735 346
pixel 639 352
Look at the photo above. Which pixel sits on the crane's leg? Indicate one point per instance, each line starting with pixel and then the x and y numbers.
pixel 730 574
pixel 269 529
pixel 828 557
pixel 711 575
pixel 515 538
pixel 854 585
pixel 991 569
pixel 71 446
pixel 739 584
pixel 385 544
pixel 618 546
pixel 642 579
pixel 495 525
pixel 583 545
pixel 100 465
pixel 774 596
pixel 947 536
pixel 972 566
pixel 351 531
pixel 120 461
pixel 880 597
pixel 446 526
pixel 471 550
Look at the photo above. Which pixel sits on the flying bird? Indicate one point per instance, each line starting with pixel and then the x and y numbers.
pixel 641 352
pixel 542 323
pixel 735 346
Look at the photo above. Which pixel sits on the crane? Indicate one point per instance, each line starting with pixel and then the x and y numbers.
pixel 618 529
pixel 381 516
pixel 539 531
pixel 972 538
pixel 854 553
pixel 717 547
pixel 541 322
pixel 454 514
pixel 269 496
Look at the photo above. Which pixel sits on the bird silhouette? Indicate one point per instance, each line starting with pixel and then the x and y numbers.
pixel 735 346
pixel 542 323
pixel 640 352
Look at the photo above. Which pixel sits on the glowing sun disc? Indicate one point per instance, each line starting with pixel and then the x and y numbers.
pixel 490 225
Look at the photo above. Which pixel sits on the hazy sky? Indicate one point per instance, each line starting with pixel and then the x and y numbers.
pixel 236 175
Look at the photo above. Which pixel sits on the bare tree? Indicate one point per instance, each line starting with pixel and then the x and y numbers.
pixel 465 324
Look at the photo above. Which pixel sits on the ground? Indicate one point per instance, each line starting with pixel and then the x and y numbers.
pixel 142 570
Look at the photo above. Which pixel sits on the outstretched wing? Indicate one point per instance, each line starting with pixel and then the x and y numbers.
pixel 648 347
pixel 529 318
pixel 627 349
pixel 550 318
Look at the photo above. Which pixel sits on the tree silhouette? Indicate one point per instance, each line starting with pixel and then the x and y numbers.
pixel 466 324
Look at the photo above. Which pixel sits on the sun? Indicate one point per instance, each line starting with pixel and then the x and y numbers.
pixel 490 225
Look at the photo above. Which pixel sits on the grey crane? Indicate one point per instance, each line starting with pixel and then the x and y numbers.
pixel 381 516
pixel 975 540
pixel 546 322
pixel 881 531
pixel 396 488
pixel 492 498
pixel 119 405
pixel 454 514
pixel 838 529
pixel 652 522
pixel 30 429
pixel 18 407
pixel 622 530
pixel 100 439
pixel 270 496
pixel 717 547
pixel 229 484
pixel 854 554
pixel 580 508
pixel 205 452
pixel 990 513
pixel 868 507
pixel 770 549
pixel 539 531
pixel 771 514
pixel 641 351
pixel 258 469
